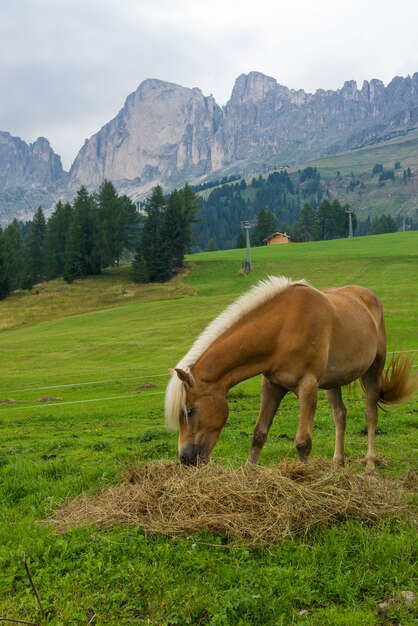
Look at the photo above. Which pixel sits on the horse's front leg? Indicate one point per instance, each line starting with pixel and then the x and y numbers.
pixel 271 396
pixel 307 392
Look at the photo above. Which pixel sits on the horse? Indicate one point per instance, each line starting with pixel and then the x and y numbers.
pixel 300 339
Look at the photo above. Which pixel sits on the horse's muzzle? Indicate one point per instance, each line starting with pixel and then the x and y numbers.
pixel 185 460
pixel 191 454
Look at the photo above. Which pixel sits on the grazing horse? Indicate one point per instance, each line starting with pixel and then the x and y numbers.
pixel 300 339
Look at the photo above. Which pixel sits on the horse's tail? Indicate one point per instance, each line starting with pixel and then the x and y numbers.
pixel 397 383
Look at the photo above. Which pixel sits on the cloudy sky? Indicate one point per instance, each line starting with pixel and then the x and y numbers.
pixel 67 66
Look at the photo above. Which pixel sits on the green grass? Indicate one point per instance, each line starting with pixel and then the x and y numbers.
pixel 54 299
pixel 54 451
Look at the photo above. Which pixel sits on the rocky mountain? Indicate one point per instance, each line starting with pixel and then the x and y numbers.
pixel 22 164
pixel 265 122
pixel 167 134
pixel 30 175
pixel 163 133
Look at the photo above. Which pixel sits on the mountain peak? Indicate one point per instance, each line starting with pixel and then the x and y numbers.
pixel 253 86
pixel 155 85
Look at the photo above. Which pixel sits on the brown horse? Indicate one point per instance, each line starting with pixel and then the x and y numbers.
pixel 301 340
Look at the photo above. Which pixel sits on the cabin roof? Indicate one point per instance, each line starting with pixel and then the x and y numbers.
pixel 281 235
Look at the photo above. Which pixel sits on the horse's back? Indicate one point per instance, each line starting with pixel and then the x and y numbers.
pixel 353 296
pixel 358 313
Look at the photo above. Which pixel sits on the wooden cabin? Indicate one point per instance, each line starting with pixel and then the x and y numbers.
pixel 277 238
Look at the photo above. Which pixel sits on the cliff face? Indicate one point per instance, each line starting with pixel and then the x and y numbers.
pixel 163 133
pixel 266 121
pixel 167 134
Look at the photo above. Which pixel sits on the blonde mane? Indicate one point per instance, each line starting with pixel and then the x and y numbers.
pixel 263 291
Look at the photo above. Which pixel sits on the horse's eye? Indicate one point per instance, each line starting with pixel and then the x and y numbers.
pixel 191 411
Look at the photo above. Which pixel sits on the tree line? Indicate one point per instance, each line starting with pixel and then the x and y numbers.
pixel 78 239
pixel 93 232
pixel 167 234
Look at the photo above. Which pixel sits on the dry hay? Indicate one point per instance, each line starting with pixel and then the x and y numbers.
pixel 250 505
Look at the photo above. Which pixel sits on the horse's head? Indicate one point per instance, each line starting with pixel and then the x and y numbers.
pixel 205 413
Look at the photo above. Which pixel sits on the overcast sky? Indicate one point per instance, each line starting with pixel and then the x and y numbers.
pixel 67 66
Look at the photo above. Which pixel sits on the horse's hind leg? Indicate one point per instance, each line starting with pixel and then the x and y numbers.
pixel 271 396
pixel 371 381
pixel 339 413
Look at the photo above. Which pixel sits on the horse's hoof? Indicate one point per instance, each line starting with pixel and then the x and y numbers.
pixel 371 471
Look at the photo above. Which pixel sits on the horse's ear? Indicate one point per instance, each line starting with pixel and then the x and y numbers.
pixel 185 378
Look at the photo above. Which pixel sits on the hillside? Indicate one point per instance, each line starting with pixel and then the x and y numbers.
pixel 358 187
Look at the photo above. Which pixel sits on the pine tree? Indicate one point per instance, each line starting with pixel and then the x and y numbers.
pixel 266 225
pixel 14 255
pixel 154 240
pixel 57 233
pixel 191 217
pixel 83 256
pixel 36 248
pixel 384 224
pixel 131 222
pixel 110 219
pixel 5 283
pixel 119 223
pixel 175 226
pixel 306 226
pixel 340 219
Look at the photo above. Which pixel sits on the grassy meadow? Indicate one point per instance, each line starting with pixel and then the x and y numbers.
pixel 83 372
pixel 370 197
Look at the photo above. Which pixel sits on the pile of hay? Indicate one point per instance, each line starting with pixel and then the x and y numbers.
pixel 250 505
